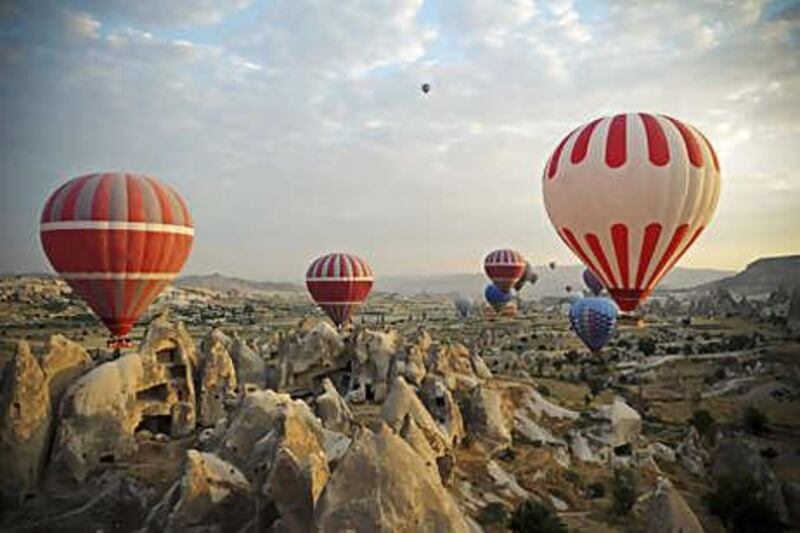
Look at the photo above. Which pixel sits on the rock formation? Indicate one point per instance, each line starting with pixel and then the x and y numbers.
pixel 668 512
pixel 332 409
pixel 395 491
pixel 217 382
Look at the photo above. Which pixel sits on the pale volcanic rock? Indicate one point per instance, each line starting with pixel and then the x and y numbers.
pixel 403 402
pixel 294 469
pixel 374 353
pixel 250 367
pixel 580 449
pixel 25 425
pixel 453 363
pixel 152 389
pixel 439 401
pixel 619 423
pixel 63 363
pixel 211 495
pixel 668 512
pixel 416 439
pixel 395 491
pixel 489 416
pixel 217 382
pixel 332 409
pixel 260 413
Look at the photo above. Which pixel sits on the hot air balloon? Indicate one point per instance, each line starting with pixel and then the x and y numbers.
pixel 504 267
pixel 552 265
pixel 528 276
pixel 568 288
pixel 339 283
pixel 117 239
pixel 592 283
pixel 426 88
pixel 463 305
pixel 629 194
pixel 496 297
pixel 593 320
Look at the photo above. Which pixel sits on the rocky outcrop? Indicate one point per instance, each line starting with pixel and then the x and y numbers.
pixel 489 417
pixel 374 353
pixel 332 409
pixel 294 469
pixel 217 382
pixel 737 459
pixel 439 401
pixel 24 426
pixel 619 423
pixel 668 512
pixel 395 491
pixel 152 389
pixel 211 495
pixel 403 402
pixel 250 368
pixel 64 362
pixel 690 452
pixel 416 439
pixel 302 357
pixel 453 362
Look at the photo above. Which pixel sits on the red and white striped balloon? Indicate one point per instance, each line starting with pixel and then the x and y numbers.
pixel 629 194
pixel 339 283
pixel 504 267
pixel 117 239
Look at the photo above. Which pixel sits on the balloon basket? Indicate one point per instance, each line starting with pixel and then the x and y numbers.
pixel 117 343
pixel 633 321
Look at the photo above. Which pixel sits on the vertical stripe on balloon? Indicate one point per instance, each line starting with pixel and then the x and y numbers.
pixel 657 147
pixel 689 140
pixel 675 241
pixel 651 235
pixel 619 236
pixel 616 149
pixel 581 146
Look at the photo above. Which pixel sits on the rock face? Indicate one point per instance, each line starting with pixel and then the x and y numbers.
pixel 250 368
pixel 63 363
pixel 738 459
pixel 404 403
pixel 25 423
pixel 490 417
pixel 453 362
pixel 332 409
pixel 217 382
pixel 301 359
pixel 440 403
pixel 620 423
pixel 669 513
pixel 212 495
pixel 152 389
pixel 395 491
pixel 374 353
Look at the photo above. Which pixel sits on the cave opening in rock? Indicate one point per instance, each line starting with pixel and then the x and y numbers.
pixel 156 424
pixel 159 393
pixel 167 355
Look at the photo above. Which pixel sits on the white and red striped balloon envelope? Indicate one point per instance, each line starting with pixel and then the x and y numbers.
pixel 504 267
pixel 339 283
pixel 629 194
pixel 117 239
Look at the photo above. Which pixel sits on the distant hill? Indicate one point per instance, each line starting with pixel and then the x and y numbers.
pixel 551 282
pixel 221 283
pixel 761 276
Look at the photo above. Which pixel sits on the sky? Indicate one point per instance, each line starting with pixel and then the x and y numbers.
pixel 295 127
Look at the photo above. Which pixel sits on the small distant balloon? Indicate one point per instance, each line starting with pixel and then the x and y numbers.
pixel 593 320
pixel 552 265
pixel 504 267
pixel 426 88
pixel 464 305
pixel 528 276
pixel 339 283
pixel 496 297
pixel 592 283
pixel 568 288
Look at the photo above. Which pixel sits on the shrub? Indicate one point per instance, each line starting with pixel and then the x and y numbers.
pixel 492 513
pixel 741 506
pixel 544 390
pixel 533 517
pixel 647 345
pixel 739 342
pixel 704 423
pixel 596 490
pixel 623 491
pixel 755 421
pixel 769 453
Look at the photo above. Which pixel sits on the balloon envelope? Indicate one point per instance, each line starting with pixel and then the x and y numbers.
pixel 339 283
pixel 117 239
pixel 592 283
pixel 426 87
pixel 629 194
pixel 504 267
pixel 593 320
pixel 463 305
pixel 528 276
pixel 496 297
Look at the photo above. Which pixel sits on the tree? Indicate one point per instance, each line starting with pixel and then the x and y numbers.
pixel 704 423
pixel 533 517
pixel 647 345
pixel 741 506
pixel 623 491
pixel 755 421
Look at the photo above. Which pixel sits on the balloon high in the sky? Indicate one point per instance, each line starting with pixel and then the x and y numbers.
pixel 339 283
pixel 496 297
pixel 592 283
pixel 504 267
pixel 463 305
pixel 593 320
pixel 552 265
pixel 629 194
pixel 426 88
pixel 117 239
